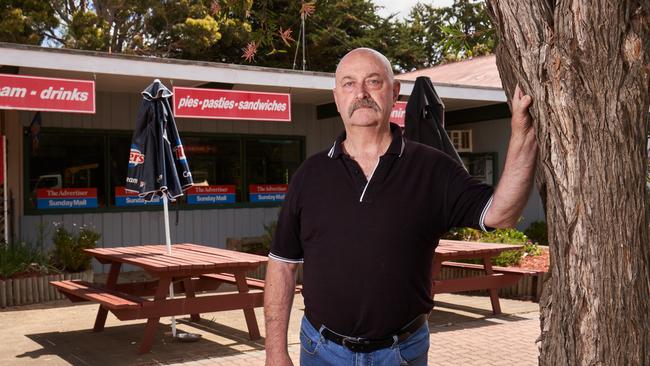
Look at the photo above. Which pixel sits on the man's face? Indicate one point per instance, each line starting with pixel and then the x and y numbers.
pixel 364 92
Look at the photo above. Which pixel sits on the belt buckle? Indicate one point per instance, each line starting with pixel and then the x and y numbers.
pixel 353 344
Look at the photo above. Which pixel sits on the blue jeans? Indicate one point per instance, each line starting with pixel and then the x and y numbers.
pixel 315 350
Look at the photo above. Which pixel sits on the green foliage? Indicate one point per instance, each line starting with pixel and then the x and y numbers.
pixel 502 236
pixel 532 249
pixel 431 35
pixel 219 30
pixel 538 232
pixel 26 21
pixel 20 258
pixel 87 31
pixel 68 254
pixel 505 236
pixel 468 30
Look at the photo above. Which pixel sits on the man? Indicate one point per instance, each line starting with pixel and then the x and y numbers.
pixel 365 217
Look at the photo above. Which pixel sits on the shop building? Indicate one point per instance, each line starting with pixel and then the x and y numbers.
pixel 70 167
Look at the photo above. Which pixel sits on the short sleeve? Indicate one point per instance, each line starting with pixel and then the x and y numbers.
pixel 286 245
pixel 466 199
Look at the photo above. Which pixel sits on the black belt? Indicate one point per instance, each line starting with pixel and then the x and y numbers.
pixel 365 345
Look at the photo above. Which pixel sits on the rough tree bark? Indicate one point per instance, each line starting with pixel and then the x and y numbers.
pixel 586 65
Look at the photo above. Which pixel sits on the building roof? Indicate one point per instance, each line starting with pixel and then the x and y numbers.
pixel 478 72
pixel 126 73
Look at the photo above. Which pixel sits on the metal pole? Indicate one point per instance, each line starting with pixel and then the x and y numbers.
pixel 304 35
pixel 168 244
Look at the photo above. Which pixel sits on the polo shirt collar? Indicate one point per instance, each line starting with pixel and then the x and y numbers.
pixel 396 146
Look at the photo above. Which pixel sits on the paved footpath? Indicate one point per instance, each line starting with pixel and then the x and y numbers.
pixel 463 332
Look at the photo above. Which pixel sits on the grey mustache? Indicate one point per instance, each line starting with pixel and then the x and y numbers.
pixel 363 103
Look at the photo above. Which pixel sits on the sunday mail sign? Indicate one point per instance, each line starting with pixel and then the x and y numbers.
pixel 46 94
pixel 231 104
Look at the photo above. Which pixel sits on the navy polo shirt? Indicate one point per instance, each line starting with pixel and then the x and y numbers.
pixel 368 246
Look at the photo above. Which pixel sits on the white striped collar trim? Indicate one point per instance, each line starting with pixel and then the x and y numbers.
pixel 286 260
pixel 331 152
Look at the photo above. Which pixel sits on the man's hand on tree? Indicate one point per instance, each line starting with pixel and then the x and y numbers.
pixel 522 122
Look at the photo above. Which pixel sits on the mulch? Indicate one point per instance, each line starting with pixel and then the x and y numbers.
pixel 538 262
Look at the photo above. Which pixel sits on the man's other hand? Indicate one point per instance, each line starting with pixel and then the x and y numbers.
pixel 522 122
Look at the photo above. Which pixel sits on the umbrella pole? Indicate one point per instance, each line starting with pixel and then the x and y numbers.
pixel 168 244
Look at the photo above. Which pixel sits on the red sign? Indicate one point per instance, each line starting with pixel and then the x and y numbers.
pixel 231 104
pixel 398 114
pixel 66 193
pixel 229 189
pixel 268 188
pixel 267 192
pixel 46 94
pixel 66 198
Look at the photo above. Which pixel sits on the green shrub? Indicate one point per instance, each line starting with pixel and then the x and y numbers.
pixel 502 236
pixel 21 257
pixel 538 232
pixel 68 254
pixel 532 249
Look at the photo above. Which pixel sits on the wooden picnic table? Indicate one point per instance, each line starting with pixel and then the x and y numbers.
pixel 190 267
pixel 448 251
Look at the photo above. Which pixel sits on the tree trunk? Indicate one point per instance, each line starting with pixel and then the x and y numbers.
pixel 586 65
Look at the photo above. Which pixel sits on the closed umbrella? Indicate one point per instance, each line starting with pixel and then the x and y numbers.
pixel 425 118
pixel 157 163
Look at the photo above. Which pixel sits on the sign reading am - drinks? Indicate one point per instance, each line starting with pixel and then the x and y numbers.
pixel 46 94
pixel 231 104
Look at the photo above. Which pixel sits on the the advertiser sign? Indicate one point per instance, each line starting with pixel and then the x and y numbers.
pixel 130 198
pixel 267 192
pixel 66 198
pixel 46 94
pixel 231 104
pixel 398 114
pixel 202 195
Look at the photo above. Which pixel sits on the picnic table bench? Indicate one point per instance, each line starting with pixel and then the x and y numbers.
pixel 190 268
pixel 491 279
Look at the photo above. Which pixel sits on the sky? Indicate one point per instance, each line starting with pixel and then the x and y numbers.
pixel 404 6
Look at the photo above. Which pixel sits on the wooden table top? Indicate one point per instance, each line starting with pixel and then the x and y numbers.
pixel 183 257
pixel 470 249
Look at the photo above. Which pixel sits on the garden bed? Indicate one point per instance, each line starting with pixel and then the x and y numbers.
pixel 529 287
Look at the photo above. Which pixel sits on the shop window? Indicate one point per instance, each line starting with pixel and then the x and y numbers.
pixel 215 164
pixel 76 170
pixel 481 166
pixel 66 171
pixel 269 165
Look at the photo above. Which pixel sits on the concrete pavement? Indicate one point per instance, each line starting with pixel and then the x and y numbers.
pixel 463 332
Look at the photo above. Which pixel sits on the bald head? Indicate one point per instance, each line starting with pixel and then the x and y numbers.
pixel 365 89
pixel 367 52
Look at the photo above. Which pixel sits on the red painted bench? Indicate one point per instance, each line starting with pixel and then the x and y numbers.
pixel 513 270
pixel 121 304
pixel 252 282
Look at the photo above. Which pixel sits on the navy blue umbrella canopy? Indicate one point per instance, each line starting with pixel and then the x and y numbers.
pixel 425 118
pixel 157 162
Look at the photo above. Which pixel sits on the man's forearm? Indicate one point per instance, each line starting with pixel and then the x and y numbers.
pixel 278 299
pixel 516 182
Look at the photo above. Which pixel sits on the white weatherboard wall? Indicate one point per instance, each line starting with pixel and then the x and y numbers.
pixel 493 136
pixel 209 226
